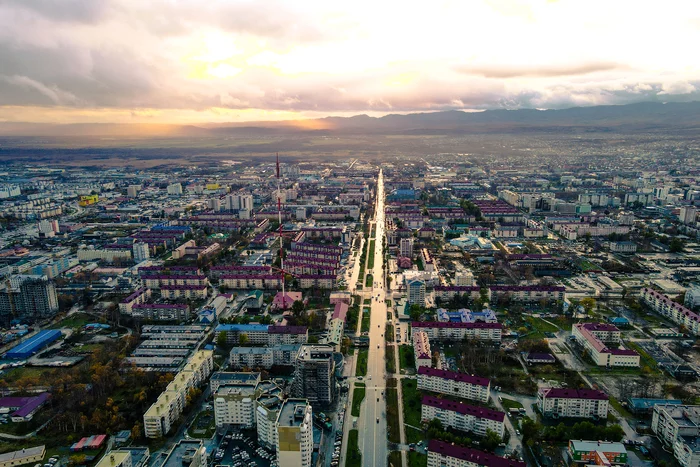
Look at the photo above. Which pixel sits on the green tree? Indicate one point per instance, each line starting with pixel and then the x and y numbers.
pixel 221 339
pixel 588 304
pixel 243 339
pixel 490 441
pixel 676 245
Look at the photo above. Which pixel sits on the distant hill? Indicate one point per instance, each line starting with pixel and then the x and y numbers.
pixel 641 117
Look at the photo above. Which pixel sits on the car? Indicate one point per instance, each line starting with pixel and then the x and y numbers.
pixel 377 420
pixel 377 346
pixel 517 432
pixel 377 399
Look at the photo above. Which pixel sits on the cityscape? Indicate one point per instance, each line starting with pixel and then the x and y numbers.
pixel 324 234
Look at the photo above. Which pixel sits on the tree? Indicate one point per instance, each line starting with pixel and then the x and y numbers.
pixel 676 245
pixel 588 304
pixel 297 307
pixel 243 339
pixel 490 441
pixel 221 339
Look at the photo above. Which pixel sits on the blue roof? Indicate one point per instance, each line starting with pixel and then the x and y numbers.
pixel 242 327
pixel 619 320
pixel 639 403
pixel 33 344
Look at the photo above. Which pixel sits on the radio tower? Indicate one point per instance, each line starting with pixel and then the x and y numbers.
pixel 279 219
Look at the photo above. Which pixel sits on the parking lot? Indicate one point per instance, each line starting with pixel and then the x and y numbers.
pixel 241 450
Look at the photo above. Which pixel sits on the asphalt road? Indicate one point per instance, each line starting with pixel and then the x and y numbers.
pixel 372 422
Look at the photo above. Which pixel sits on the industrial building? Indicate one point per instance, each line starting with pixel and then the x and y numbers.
pixel 29 347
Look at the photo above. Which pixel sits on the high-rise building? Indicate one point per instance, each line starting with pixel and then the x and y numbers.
pixel 406 247
pixel 237 202
pixel 141 252
pixel 416 292
pixel 688 214
pixel 214 204
pixel 175 189
pixel 47 228
pixel 314 374
pixel 28 297
pixel 295 441
pixel 132 191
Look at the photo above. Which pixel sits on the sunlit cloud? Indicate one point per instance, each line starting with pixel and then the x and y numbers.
pixel 191 61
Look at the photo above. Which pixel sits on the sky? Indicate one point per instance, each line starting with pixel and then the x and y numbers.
pixel 193 61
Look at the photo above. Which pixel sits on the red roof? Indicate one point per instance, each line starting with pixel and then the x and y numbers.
pixel 454 376
pixel 464 409
pixel 558 393
pixel 471 455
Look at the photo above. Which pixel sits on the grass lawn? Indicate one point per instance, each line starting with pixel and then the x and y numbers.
pixel 394 459
pixel 392 411
pixel 390 359
pixel 361 369
pixel 645 358
pixel 411 402
pixel 389 332
pixel 538 324
pixel 76 320
pixel 619 408
pixel 367 301
pixel 353 456
pixel 364 327
pixel 413 435
pixel 358 395
pixel 203 426
pixel 406 360
pixel 416 459
pixel 370 259
pixel 369 280
pixel 511 404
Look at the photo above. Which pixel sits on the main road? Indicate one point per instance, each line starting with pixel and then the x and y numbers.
pixel 372 422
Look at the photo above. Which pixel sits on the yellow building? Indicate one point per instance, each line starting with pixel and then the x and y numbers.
pixel 213 186
pixel 25 456
pixel 87 200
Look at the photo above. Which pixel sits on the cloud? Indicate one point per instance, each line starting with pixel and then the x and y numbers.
pixel 160 58
pixel 544 71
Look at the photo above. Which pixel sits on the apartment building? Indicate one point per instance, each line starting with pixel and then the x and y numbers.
pixel 175 292
pixel 572 403
pixel 406 247
pixel 453 383
pixel 441 454
pixel 251 281
pixel 526 293
pixel 448 292
pixel 161 311
pixel 157 281
pixel 109 253
pixel 462 417
pixel 451 331
pixel 421 349
pixel 28 297
pixel 263 334
pixel 594 337
pixel 164 412
pixel 263 357
pixel 676 312
pixel 314 377
pixel 678 426
pixel 235 404
pixel 416 292
pixel 139 296
pixel 294 438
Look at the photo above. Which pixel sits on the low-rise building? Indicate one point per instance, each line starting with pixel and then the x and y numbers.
pixel 421 349
pixel 24 456
pixel 597 452
pixel 676 312
pixel 453 383
pixel 462 417
pixel 442 454
pixel 595 337
pixel 451 331
pixel 572 403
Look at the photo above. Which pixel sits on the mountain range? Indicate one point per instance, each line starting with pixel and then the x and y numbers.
pixel 640 117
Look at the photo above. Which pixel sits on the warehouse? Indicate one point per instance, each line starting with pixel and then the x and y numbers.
pixel 32 345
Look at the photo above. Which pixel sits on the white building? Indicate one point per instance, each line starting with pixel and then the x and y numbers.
pixel 141 252
pixel 692 296
pixel 572 403
pixel 175 189
pixel 421 349
pixel 416 292
pixel 132 191
pixel 295 442
pixel 456 332
pixel 461 416
pixel 672 310
pixel 688 214
pixel 442 454
pixel 164 412
pixel 464 278
pixel 594 337
pixel 406 247
pixel 453 383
